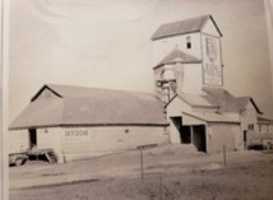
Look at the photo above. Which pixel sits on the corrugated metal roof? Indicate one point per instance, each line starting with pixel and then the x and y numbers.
pixel 183 27
pixel 91 106
pixel 177 56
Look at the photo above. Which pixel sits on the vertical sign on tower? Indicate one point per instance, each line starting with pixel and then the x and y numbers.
pixel 212 64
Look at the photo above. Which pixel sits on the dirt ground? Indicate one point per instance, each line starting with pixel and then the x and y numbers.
pixel 170 174
pixel 245 181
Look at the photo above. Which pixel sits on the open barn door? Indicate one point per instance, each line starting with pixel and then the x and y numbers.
pixel 199 137
pixel 32 138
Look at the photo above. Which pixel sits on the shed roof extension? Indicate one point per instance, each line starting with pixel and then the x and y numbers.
pixel 214 117
pixel 190 25
pixel 91 107
pixel 196 100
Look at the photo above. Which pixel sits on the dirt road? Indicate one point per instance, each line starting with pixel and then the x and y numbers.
pixel 246 181
pixel 170 174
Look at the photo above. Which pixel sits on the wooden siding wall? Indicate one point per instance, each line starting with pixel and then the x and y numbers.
pixel 94 141
pixel 175 110
pixel 192 79
pixel 219 134
pixel 249 116
pixel 51 138
pixel 163 47
pixel 210 29
pixel 18 141
pixel 73 143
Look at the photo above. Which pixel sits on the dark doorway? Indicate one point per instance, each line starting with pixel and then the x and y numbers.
pixel 32 137
pixel 185 134
pixel 199 137
pixel 245 139
pixel 177 122
pixel 184 131
pixel 195 134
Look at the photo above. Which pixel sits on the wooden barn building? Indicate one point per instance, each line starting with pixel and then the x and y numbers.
pixel 190 105
pixel 80 122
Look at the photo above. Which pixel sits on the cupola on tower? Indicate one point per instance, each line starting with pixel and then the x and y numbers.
pixel 187 57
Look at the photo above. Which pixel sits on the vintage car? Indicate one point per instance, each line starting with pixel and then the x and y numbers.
pixel 17 159
pixel 261 142
pixel 47 155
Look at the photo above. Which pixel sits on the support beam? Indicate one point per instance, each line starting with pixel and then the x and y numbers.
pixel 192 138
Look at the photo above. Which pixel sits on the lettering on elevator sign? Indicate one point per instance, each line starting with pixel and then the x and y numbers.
pixel 77 132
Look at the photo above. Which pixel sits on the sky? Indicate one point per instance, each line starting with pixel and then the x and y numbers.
pixel 98 43
pixel 269 15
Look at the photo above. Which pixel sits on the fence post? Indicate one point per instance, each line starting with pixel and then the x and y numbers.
pixel 160 186
pixel 224 155
pixel 141 164
pixel 141 148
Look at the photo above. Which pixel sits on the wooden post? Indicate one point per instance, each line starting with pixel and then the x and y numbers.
pixel 141 164
pixel 192 137
pixel 224 155
pixel 160 186
pixel 141 148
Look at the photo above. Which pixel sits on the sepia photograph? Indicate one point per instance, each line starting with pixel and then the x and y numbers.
pixel 136 100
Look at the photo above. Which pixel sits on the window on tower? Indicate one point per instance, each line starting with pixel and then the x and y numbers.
pixel 188 40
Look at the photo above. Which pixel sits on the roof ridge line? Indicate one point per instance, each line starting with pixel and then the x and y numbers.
pixel 97 88
pixel 185 19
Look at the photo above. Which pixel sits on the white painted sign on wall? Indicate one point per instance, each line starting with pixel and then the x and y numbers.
pixel 212 64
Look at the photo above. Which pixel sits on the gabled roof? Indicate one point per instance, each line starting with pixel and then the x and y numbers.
pixel 228 102
pixel 91 106
pixel 217 98
pixel 243 101
pixel 177 56
pixel 264 119
pixel 48 87
pixel 40 113
pixel 190 25
pixel 221 97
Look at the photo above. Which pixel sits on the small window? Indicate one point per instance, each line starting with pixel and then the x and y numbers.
pixel 251 127
pixel 188 39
